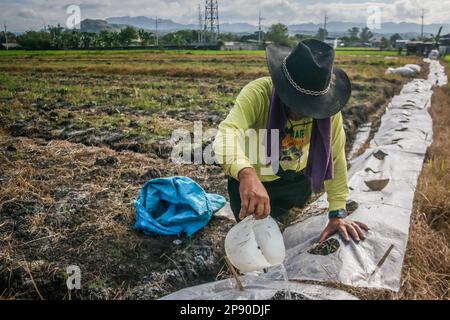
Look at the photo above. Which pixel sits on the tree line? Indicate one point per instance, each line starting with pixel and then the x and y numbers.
pixel 58 37
pixel 61 38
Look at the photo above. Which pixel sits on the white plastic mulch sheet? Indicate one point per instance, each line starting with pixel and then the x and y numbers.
pixel 260 287
pixel 437 75
pixel 382 182
pixel 361 137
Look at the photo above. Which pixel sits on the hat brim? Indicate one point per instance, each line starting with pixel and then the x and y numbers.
pixel 316 107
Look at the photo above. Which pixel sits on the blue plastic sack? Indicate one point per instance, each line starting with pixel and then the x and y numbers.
pixel 176 205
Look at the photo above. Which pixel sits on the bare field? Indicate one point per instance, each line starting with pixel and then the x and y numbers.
pixel 79 136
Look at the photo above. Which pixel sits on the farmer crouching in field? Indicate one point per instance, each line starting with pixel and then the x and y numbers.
pixel 303 149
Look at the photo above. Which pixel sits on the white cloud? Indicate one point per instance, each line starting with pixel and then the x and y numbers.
pixel 26 14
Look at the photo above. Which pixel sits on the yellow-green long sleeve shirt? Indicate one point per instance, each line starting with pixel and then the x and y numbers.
pixel 235 149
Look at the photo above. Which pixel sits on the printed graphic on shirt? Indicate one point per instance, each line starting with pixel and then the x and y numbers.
pixel 293 142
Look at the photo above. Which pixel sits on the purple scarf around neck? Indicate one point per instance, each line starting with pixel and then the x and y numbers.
pixel 320 157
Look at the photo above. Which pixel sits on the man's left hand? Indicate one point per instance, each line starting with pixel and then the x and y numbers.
pixel 345 228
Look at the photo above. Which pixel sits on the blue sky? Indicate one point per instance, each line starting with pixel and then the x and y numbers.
pixel 22 15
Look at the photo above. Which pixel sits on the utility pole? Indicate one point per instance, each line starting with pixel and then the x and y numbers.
pixel 156 31
pixel 260 28
pixel 6 38
pixel 44 24
pixel 217 21
pixel 421 29
pixel 200 24
pixel 325 27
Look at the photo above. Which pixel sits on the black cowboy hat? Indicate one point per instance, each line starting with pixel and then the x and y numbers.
pixel 306 80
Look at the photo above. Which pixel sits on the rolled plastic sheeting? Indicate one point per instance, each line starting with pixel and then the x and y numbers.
pixel 404 71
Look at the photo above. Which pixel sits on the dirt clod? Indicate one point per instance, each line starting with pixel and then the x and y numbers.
pixel 380 155
pixel 351 206
pixel 377 185
pixel 325 248
pixel 282 295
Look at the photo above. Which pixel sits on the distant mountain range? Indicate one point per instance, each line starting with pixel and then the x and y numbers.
pixel 386 28
pixel 150 23
pixel 333 27
pixel 91 25
pixel 166 25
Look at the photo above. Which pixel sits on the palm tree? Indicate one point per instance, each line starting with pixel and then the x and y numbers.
pixel 437 38
pixel 106 38
pixel 145 37
pixel 115 39
pixel 353 33
pixel 71 39
pixel 86 39
pixel 127 35
pixel 56 34
pixel 365 35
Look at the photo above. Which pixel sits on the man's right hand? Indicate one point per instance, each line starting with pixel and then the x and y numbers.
pixel 254 197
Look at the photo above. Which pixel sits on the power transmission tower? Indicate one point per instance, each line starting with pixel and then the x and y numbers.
pixel 211 21
pixel 200 24
pixel 325 27
pixel 421 29
pixel 6 37
pixel 260 28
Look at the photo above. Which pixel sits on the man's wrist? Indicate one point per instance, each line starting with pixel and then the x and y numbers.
pixel 340 214
pixel 246 172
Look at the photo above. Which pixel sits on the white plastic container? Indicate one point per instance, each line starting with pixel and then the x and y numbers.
pixel 253 245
